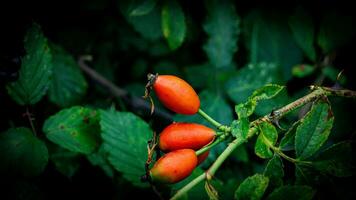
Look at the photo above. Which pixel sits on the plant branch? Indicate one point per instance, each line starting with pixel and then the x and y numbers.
pixel 275 115
pixel 213 122
pixel 30 119
pixel 206 148
pixel 136 102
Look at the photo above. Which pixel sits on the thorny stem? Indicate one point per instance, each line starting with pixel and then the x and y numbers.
pixel 314 95
pixel 213 122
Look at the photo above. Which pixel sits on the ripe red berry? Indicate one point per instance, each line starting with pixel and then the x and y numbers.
pixel 202 157
pixel 176 94
pixel 185 136
pixel 174 166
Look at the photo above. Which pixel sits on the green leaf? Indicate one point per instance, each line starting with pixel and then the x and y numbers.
pixel 244 110
pixel 252 187
pixel 302 27
pixel 337 160
pixel 21 153
pixel 142 7
pixel 287 142
pixel 274 171
pixel 205 77
pixel 266 139
pixel 148 25
pixel 292 192
pixel 265 107
pixel 76 129
pixel 125 139
pixel 68 85
pixel 336 29
pixel 250 78
pixel 268 91
pixel 240 154
pixel 35 71
pixel 303 70
pixel 332 73
pixel 313 130
pixel 267 39
pixel 99 158
pixel 239 128
pixel 222 28
pixel 66 162
pixel 173 24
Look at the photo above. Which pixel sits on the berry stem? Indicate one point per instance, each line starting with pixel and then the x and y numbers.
pixel 211 145
pixel 316 93
pixel 213 122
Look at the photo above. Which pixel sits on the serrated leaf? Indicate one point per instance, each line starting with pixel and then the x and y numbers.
pixel 302 70
pixel 252 188
pixel 274 171
pixel 125 139
pixel 222 28
pixel 239 128
pixel 66 162
pixel 268 91
pixel 142 7
pixel 250 78
pixel 265 107
pixel 333 34
pixel 35 71
pixel 68 84
pixel 302 28
pixel 266 139
pixel 99 158
pixel 337 160
pixel 267 38
pixel 313 130
pixel 21 153
pixel 148 25
pixel 244 110
pixel 173 24
pixel 292 192
pixel 287 142
pixel 76 129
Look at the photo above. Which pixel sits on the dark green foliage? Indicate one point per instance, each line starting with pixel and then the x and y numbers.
pixel 74 126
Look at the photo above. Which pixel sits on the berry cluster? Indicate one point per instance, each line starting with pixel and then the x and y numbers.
pixel 178 140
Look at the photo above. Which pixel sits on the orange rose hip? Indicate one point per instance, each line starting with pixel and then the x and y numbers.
pixel 185 136
pixel 174 166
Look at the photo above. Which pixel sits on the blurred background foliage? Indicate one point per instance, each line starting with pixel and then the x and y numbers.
pixel 224 49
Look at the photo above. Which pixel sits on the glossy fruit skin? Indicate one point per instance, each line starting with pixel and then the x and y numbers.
pixel 202 157
pixel 185 136
pixel 174 166
pixel 176 94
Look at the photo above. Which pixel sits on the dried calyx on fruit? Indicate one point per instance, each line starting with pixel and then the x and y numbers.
pixel 174 93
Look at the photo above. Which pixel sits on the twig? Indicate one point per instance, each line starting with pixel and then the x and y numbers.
pixel 30 119
pixel 136 102
pixel 315 94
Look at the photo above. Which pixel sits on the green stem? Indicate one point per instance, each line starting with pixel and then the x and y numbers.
pixel 206 148
pixel 189 186
pixel 315 94
pixel 213 122
pixel 212 170
pixel 293 160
